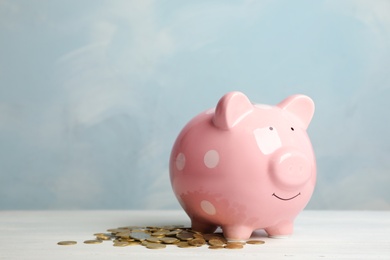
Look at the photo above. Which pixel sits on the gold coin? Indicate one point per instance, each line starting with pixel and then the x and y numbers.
pixel 152 227
pixel 93 241
pixel 197 242
pixel 207 237
pixel 169 240
pixel 234 245
pixel 154 239
pixel 241 242
pixel 173 233
pixel 216 242
pixel 255 242
pixel 139 230
pixel 121 244
pixel 159 236
pixel 113 230
pixel 134 243
pixel 160 233
pixel 123 234
pixel 103 236
pixel 185 236
pixel 118 230
pixel 155 246
pixel 66 243
pixel 184 244
pixel 197 235
pixel 216 247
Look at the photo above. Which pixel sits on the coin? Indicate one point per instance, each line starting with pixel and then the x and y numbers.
pixel 93 241
pixel 169 240
pixel 153 239
pixel 255 242
pixel 184 244
pixel 123 234
pixel 139 230
pixel 121 244
pixel 185 235
pixel 134 243
pixel 66 243
pixel 103 236
pixel 216 242
pixel 197 242
pixel 234 245
pixel 114 230
pixel 160 233
pixel 173 233
pixel 207 237
pixel 197 235
pixel 155 246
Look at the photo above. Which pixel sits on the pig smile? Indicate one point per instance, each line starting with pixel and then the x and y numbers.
pixel 287 198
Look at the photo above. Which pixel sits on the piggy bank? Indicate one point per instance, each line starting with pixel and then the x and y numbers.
pixel 242 166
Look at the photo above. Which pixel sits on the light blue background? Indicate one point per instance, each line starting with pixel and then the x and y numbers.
pixel 94 93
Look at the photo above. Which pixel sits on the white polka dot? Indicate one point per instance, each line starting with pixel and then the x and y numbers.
pixel 180 161
pixel 211 159
pixel 208 207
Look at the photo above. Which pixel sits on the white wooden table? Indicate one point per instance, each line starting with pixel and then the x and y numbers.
pixel 318 235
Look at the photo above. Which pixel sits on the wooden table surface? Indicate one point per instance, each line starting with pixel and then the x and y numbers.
pixel 318 235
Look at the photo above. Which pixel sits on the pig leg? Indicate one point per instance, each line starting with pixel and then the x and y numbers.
pixel 202 226
pixel 237 233
pixel 281 230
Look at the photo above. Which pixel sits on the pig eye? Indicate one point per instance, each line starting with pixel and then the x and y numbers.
pixel 292 128
pixel 271 128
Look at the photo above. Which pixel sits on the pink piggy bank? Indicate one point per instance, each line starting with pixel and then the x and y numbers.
pixel 244 166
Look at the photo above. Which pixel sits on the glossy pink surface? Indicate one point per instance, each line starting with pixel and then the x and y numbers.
pixel 244 166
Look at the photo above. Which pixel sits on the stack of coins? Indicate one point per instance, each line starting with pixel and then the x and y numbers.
pixel 159 237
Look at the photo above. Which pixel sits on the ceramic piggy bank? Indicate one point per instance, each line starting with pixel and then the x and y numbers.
pixel 244 166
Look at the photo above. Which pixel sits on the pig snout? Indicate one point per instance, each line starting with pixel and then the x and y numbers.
pixel 290 168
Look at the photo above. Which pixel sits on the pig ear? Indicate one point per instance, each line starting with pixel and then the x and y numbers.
pixel 231 108
pixel 300 106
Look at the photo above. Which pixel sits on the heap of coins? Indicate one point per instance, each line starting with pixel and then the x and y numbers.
pixel 163 236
